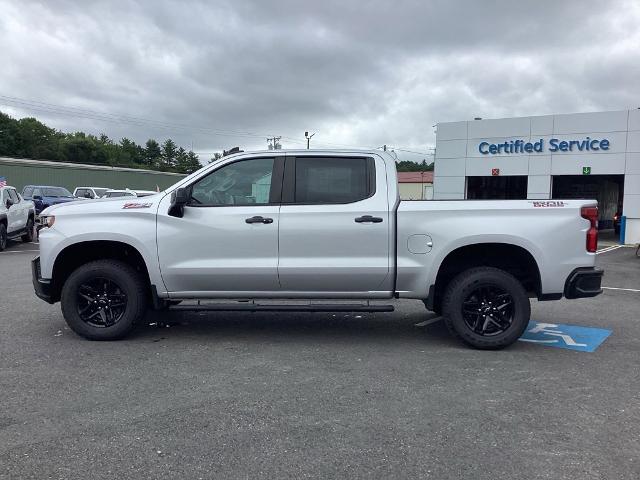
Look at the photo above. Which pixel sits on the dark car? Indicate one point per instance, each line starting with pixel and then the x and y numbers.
pixel 44 196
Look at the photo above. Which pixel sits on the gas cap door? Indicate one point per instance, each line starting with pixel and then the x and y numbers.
pixel 419 244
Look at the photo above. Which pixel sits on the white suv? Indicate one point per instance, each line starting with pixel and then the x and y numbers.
pixel 128 193
pixel 90 192
pixel 17 216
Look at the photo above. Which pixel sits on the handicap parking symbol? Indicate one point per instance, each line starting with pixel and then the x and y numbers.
pixel 572 337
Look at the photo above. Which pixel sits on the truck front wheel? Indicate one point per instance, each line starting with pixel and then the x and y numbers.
pixel 103 300
pixel 486 307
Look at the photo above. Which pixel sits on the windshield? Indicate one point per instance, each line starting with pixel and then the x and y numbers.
pixel 56 192
pixel 100 191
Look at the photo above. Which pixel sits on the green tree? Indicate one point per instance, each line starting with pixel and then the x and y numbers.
pixel 104 139
pixel 193 162
pixel 35 140
pixel 409 166
pixel 81 148
pixel 181 160
pixel 8 136
pixel 152 154
pixel 169 155
pixel 30 138
pixel 130 153
pixel 216 156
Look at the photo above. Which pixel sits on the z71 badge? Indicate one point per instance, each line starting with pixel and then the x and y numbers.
pixel 127 206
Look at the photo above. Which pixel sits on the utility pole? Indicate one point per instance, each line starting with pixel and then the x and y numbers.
pixel 308 137
pixel 273 143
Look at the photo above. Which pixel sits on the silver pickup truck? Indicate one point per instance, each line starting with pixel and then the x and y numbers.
pixel 323 226
pixel 17 216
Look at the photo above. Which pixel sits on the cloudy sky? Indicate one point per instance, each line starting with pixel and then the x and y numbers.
pixel 215 74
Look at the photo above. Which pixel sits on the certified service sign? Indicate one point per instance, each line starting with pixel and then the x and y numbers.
pixel 555 145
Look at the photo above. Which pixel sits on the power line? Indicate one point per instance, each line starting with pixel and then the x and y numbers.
pixel 116 118
pixel 412 151
pixel 141 122
pixel 273 143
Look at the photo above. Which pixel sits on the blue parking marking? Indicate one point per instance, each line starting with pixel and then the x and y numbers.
pixel 572 337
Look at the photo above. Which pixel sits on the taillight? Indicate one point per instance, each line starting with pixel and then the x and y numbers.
pixel 591 214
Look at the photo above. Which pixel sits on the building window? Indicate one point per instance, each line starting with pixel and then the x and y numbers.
pixel 497 188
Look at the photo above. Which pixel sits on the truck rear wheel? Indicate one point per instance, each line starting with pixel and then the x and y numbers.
pixel 28 236
pixel 103 300
pixel 486 307
pixel 3 236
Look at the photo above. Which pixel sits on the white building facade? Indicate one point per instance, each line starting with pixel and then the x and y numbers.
pixel 583 155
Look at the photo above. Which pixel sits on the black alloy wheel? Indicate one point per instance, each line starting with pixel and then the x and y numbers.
pixel 104 299
pixel 486 307
pixel 28 236
pixel 488 310
pixel 101 302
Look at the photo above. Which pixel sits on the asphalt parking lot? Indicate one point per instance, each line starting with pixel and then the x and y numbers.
pixel 270 395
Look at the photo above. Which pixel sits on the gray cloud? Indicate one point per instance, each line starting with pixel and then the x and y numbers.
pixel 357 73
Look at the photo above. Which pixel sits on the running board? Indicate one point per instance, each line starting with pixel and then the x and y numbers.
pixel 256 307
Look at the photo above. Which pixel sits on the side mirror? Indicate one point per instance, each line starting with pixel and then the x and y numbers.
pixel 37 197
pixel 179 198
pixel 9 203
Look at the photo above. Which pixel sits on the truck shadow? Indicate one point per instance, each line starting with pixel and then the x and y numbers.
pixel 316 327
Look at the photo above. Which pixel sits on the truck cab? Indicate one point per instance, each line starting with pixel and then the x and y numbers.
pixel 281 225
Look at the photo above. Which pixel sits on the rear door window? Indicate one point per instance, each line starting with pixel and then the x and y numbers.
pixel 333 179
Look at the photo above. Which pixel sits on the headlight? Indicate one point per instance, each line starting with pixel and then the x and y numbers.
pixel 47 221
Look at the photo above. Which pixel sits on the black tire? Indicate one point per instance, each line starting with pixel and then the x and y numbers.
pixel 3 236
pixel 123 281
pixel 504 302
pixel 28 237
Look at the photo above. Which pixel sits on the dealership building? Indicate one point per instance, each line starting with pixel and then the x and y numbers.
pixel 582 155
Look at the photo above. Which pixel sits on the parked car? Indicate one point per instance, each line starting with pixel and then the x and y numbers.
pixel 90 192
pixel 17 216
pixel 311 225
pixel 127 193
pixel 44 196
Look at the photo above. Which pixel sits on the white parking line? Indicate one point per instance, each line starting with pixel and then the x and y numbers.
pixel 19 251
pixel 427 322
pixel 623 289
pixel 608 249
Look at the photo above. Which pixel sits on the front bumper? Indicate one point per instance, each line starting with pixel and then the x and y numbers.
pixel 584 282
pixel 41 286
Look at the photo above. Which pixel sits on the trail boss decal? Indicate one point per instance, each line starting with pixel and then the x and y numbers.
pixel 127 206
pixel 551 203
